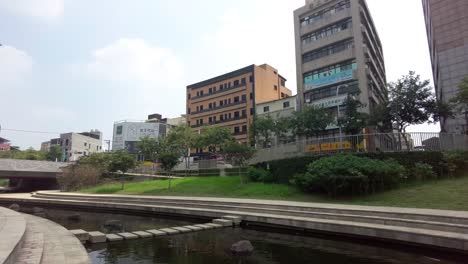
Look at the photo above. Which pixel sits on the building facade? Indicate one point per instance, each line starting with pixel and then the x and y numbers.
pixel 447 33
pixel 338 52
pixel 229 100
pixel 45 146
pixel 4 145
pixel 76 145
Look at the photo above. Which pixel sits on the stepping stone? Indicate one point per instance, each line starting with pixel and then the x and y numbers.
pixel 214 225
pixel 128 236
pixel 169 231
pixel 204 226
pixel 97 237
pixel 182 229
pixel 235 219
pixel 80 234
pixel 113 237
pixel 142 234
pixel 222 222
pixel 194 228
pixel 156 233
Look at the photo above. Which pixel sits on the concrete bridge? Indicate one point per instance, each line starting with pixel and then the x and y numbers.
pixel 30 174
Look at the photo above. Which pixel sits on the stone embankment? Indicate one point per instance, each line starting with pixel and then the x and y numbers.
pixel 34 240
pixel 447 230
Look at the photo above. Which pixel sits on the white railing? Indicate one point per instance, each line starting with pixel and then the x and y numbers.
pixel 387 142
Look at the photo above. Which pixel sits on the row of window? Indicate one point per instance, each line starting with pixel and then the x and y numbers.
pixel 227 85
pixel 330 70
pixel 328 50
pixel 238 131
pixel 327 31
pixel 324 13
pixel 222 103
pixel 266 109
pixel 321 93
pixel 225 117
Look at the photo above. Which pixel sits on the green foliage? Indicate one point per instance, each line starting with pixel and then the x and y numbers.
pixel 263 128
pixel 214 139
pixel 259 175
pixel 454 162
pixel 411 101
pixel 348 175
pixel 54 153
pixel 77 176
pixel 29 154
pixel 353 121
pixel 149 147
pixel 183 138
pixel 98 160
pixel 121 161
pixel 461 100
pixel 441 112
pixel 311 121
pixel 423 171
pixel 237 154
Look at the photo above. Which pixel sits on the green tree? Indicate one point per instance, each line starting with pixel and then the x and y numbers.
pixel 183 138
pixel 312 121
pixel 353 121
pixel 381 119
pixel 281 126
pixel 263 128
pixel 411 101
pixel 214 138
pixel 55 153
pixel 121 161
pixel 441 112
pixel 149 147
pixel 461 101
pixel 99 161
pixel 237 154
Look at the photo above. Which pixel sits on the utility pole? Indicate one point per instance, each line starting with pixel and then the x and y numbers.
pixel 108 144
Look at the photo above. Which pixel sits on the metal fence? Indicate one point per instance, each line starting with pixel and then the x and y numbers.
pixel 387 142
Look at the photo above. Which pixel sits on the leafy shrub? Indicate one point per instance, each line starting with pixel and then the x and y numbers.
pixel 77 176
pixel 454 161
pixel 423 171
pixel 348 175
pixel 259 175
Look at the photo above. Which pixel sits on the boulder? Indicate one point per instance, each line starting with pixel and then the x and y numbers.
pixel 243 247
pixel 74 217
pixel 14 207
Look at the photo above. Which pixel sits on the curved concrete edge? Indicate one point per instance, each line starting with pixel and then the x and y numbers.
pixel 12 230
pixel 415 236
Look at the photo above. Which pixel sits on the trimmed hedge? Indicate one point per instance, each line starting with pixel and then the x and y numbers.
pixel 442 163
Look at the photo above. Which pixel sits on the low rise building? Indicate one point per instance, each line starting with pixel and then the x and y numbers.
pixel 45 146
pixel 4 144
pixel 76 145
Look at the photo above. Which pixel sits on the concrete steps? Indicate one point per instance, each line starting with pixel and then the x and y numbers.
pixel 416 219
pixel 434 228
pixel 32 245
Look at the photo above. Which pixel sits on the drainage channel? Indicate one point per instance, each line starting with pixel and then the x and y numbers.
pixel 94 237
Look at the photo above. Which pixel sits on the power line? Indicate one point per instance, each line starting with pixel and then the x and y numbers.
pixel 29 131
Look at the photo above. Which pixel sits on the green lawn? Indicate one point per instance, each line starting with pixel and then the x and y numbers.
pixel 3 182
pixel 451 194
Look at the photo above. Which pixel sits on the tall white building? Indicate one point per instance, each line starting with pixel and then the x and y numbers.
pixel 76 145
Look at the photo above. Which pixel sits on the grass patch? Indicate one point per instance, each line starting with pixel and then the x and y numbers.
pixel 450 194
pixel 4 182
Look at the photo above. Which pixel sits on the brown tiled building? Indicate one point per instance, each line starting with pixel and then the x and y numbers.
pixel 229 100
pixel 447 32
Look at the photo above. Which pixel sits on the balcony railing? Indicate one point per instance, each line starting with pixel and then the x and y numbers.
pixel 220 121
pixel 219 91
pixel 219 107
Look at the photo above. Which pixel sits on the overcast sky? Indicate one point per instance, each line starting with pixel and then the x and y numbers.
pixel 69 65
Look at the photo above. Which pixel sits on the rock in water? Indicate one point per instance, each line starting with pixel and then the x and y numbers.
pixel 113 226
pixel 243 247
pixel 14 207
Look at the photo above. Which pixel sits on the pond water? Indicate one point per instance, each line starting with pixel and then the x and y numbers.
pixel 213 246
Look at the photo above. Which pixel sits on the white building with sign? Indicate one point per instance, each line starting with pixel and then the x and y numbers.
pixel 127 133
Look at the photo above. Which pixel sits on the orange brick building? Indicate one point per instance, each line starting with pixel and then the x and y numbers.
pixel 229 100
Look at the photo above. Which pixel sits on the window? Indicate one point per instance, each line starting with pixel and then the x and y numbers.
pixel 243 80
pixel 221 117
pixel 188 110
pixel 189 96
pixel 220 86
pixel 324 13
pixel 201 107
pixel 327 31
pixel 214 119
pixel 283 95
pixel 283 82
pixel 236 130
pixel 275 72
pixel 244 113
pixel 236 99
pixel 210 91
pixel 266 109
pixel 286 104
pixel 236 114
pixel 198 108
pixel 198 93
pixel 236 83
pixel 201 93
pixel 221 103
pixel 252 111
pixel 66 142
pixel 230 116
pixel 276 87
pixel 229 85
pixel 320 93
pixel 85 144
pixel 251 96
pixel 229 101
pixel 251 79
pixel 328 50
pixel 214 105
pixel 118 131
pixel 244 128
pixel 244 98
pixel 330 70
pixel 210 105
pixel 210 120
pixel 201 121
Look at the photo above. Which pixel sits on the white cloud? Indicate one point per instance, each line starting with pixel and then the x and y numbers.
pixel 135 60
pixel 15 66
pixel 44 9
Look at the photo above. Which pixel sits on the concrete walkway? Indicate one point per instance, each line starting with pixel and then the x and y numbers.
pixel 430 228
pixel 31 239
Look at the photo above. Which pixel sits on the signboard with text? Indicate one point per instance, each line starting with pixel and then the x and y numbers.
pixel 310 84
